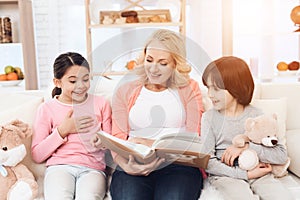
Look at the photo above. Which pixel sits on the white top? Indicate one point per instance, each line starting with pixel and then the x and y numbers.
pixel 158 112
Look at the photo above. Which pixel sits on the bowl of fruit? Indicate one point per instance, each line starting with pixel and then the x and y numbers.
pixel 288 69
pixel 12 76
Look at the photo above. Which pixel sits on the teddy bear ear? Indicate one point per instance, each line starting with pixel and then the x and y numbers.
pixel 26 131
pixel 250 122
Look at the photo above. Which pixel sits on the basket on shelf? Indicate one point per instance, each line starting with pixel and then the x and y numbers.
pixel 135 16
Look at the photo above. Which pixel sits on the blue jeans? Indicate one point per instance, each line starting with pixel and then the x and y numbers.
pixel 173 182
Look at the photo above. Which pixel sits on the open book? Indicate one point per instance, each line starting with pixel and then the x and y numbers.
pixel 181 148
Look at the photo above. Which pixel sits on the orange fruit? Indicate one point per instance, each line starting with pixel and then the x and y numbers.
pixel 12 76
pixel 3 77
pixel 130 65
pixel 295 65
pixel 282 66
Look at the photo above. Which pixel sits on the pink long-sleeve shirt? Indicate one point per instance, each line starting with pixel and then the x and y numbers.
pixel 75 149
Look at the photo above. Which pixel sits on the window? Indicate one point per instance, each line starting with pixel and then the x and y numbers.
pixel 263 34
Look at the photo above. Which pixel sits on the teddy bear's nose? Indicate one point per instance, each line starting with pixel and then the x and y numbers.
pixel 4 148
pixel 274 142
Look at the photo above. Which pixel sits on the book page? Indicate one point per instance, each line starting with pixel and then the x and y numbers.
pixel 188 136
pixel 178 144
pixel 182 148
pixel 138 148
pixel 180 140
pixel 153 133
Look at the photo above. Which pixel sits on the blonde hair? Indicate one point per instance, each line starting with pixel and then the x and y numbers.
pixel 174 43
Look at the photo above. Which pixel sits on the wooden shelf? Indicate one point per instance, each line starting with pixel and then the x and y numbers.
pixel 8 1
pixel 131 6
pixel 26 32
pixel 11 44
pixel 135 25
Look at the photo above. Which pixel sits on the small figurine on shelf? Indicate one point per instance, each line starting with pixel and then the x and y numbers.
pixel 7 30
pixel 131 16
pixel 121 20
pixel 107 20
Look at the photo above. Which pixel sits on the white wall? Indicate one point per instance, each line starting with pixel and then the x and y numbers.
pixel 60 27
pixel 204 25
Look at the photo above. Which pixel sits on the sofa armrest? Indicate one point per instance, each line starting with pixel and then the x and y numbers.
pixel 293 147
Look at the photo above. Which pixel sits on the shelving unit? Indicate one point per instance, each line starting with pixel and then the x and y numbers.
pixel 132 5
pixel 25 31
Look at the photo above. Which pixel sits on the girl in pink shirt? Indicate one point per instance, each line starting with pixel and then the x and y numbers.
pixel 63 130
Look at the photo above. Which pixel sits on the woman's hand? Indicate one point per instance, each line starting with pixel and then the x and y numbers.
pixel 133 168
pixel 231 153
pixel 71 124
pixel 260 170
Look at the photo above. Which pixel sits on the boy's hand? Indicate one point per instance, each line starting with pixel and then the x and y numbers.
pixel 231 153
pixel 260 170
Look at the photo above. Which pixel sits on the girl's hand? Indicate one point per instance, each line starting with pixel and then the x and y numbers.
pixel 75 125
pixel 96 142
pixel 231 153
pixel 260 170
pixel 133 168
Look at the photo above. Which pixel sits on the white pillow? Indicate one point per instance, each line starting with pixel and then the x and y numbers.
pixel 277 106
pixel 19 106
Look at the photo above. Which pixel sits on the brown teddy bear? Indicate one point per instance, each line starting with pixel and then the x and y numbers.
pixel 260 130
pixel 16 181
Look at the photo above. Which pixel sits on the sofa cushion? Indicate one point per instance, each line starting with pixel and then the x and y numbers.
pixel 292 139
pixel 23 107
pixel 290 90
pixel 18 106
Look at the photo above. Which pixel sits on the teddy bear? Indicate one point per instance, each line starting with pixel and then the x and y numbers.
pixel 16 180
pixel 259 130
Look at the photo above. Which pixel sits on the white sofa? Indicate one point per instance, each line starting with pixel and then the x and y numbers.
pixel 280 98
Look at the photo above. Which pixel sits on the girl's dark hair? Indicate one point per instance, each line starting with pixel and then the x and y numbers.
pixel 63 62
pixel 232 74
